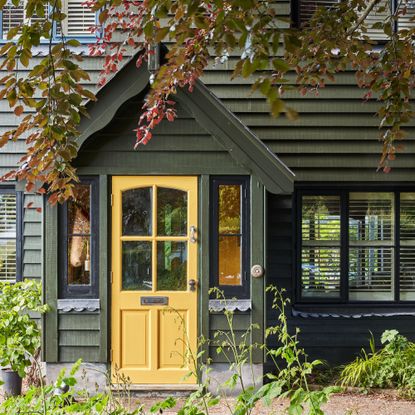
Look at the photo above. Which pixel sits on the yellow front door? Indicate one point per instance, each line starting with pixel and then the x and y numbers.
pixel 154 278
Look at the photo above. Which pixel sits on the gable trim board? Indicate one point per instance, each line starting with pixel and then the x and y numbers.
pixel 245 148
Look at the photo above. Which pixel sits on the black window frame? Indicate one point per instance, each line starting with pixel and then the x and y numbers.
pixel 19 229
pixel 343 192
pixel 242 291
pixel 90 291
pixel 295 16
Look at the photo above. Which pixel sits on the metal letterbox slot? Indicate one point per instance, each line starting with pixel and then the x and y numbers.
pixel 154 300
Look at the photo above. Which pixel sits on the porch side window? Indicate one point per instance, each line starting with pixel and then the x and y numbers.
pixel 10 235
pixel 79 236
pixel 230 235
pixel 356 246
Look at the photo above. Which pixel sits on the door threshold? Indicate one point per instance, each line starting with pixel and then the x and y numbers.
pixel 157 387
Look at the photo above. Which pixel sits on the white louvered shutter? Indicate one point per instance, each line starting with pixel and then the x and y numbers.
pixel 7 237
pixel 407 20
pixel 13 16
pixel 308 7
pixel 371 246
pixel 79 19
pixel 375 16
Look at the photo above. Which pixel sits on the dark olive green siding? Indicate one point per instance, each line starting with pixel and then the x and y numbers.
pixel 178 148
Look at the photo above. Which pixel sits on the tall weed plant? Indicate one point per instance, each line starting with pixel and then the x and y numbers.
pixel 288 380
pixel 392 366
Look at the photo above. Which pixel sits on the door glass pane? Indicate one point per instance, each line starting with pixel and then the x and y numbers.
pixel 229 209
pixel 171 266
pixel 171 212
pixel 136 212
pixel 79 261
pixel 230 260
pixel 136 266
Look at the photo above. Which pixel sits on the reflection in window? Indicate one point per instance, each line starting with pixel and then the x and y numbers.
pixel 371 225
pixel 407 246
pixel 136 211
pixel 8 236
pixel 79 236
pixel 136 266
pixel 320 253
pixel 230 267
pixel 171 212
pixel 171 266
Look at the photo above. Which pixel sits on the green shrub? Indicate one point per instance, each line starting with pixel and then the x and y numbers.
pixel 19 333
pixel 393 366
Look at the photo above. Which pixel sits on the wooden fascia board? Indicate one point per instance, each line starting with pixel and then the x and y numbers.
pixel 243 146
pixel 128 83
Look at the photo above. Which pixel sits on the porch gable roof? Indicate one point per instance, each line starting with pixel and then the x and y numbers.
pixel 245 148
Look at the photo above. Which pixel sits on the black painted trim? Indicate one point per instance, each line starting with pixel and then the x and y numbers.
pixel 80 291
pixel 242 291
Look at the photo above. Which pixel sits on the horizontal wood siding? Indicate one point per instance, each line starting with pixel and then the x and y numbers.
pixel 79 336
pixel 336 136
pixel 334 339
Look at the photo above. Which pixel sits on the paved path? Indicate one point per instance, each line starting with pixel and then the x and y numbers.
pixel 340 404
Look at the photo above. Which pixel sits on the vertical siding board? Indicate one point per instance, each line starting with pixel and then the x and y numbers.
pixel 104 259
pixel 50 335
pixel 204 270
pixel 257 257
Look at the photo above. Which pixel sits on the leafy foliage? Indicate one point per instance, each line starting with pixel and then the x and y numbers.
pixel 64 398
pixel 393 366
pixel 19 333
pixel 51 99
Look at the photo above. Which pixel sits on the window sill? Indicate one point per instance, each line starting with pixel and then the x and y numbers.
pixel 83 40
pixel 230 305
pixel 78 305
pixel 352 310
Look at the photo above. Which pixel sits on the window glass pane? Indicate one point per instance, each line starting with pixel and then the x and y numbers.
pixel 407 217
pixel 230 267
pixel 136 266
pixel 171 212
pixel 407 250
pixel 320 272
pixel 371 274
pixel 7 215
pixel 229 209
pixel 371 216
pixel 136 212
pixel 321 218
pixel 8 259
pixel 171 266
pixel 407 273
pixel 8 236
pixel 320 257
pixel 79 260
pixel 79 220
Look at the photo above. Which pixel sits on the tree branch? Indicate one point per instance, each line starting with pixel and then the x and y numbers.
pixel 360 20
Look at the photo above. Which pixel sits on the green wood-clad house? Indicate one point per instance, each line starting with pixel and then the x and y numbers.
pixel 225 196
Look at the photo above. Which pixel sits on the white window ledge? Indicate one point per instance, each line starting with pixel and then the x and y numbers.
pixel 230 305
pixel 78 305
